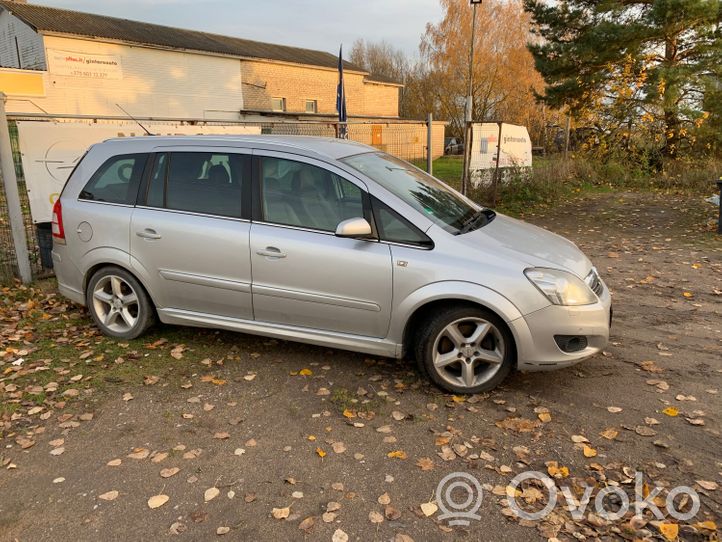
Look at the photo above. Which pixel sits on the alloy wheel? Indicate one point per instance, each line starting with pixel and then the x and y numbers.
pixel 468 352
pixel 116 303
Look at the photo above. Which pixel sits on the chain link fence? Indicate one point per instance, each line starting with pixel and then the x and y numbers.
pixel 404 139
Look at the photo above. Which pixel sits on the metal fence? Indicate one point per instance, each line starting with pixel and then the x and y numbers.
pixel 404 139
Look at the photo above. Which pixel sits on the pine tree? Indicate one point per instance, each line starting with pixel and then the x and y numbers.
pixel 673 46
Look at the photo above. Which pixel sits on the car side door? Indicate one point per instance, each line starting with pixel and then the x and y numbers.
pixel 303 274
pixel 190 234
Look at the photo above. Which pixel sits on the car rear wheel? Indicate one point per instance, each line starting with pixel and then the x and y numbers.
pixel 118 303
pixel 465 350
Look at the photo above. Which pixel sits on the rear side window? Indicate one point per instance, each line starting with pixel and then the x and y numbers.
pixel 396 229
pixel 199 182
pixel 117 180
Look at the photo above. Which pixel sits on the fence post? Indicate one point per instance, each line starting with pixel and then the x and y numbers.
pixel 429 140
pixel 15 212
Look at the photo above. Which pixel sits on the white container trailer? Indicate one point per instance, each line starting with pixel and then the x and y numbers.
pixel 499 149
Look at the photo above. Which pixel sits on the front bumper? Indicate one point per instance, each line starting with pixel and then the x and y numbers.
pixel 534 333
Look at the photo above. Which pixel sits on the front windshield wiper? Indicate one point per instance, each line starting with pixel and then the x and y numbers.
pixel 478 220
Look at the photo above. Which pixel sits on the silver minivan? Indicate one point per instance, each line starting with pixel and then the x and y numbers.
pixel 324 241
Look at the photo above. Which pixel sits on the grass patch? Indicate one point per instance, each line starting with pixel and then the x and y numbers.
pixel 555 179
pixel 345 399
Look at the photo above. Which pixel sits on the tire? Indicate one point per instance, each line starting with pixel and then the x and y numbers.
pixel 465 350
pixel 118 303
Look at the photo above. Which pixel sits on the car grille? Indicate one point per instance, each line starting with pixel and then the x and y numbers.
pixel 594 282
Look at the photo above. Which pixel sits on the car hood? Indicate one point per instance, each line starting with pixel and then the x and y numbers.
pixel 529 244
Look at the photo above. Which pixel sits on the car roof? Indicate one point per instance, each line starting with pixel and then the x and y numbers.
pixel 325 147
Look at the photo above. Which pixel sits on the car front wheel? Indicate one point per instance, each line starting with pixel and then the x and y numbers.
pixel 465 350
pixel 118 303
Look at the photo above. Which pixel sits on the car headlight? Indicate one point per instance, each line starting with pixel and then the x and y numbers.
pixel 561 287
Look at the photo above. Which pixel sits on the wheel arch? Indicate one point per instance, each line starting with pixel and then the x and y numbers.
pixel 425 301
pixel 95 267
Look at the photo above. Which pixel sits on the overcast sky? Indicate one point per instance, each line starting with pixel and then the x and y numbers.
pixel 315 24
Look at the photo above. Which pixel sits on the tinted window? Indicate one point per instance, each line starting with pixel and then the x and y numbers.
pixel 117 180
pixel 396 229
pixel 298 194
pixel 428 195
pixel 200 182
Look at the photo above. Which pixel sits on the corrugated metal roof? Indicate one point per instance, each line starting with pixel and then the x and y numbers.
pixel 47 19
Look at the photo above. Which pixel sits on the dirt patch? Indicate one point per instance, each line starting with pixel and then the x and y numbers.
pixel 359 444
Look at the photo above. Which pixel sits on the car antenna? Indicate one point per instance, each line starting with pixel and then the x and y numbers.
pixel 135 120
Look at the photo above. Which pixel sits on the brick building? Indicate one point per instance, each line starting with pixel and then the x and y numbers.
pixel 65 62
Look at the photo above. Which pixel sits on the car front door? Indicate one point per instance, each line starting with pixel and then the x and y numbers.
pixel 189 236
pixel 303 275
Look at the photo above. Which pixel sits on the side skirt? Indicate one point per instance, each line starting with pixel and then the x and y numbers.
pixel 343 341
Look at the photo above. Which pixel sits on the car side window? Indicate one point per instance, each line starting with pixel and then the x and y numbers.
pixel 299 194
pixel 199 182
pixel 396 229
pixel 117 180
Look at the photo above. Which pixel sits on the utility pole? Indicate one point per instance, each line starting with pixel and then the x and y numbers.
pixel 469 109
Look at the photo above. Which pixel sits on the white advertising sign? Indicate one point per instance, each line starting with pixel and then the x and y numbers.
pixel 84 65
pixel 50 150
pixel 515 151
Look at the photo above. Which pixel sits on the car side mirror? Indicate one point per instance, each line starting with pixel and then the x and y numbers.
pixel 353 227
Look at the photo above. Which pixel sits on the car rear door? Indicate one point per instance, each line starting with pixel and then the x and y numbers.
pixel 303 275
pixel 190 234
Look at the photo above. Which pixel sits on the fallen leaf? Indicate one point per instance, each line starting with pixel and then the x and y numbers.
pixel 384 499
pixel 670 531
pixel 392 513
pixel 109 496
pixel 157 458
pixel 671 411
pixel 156 501
pixel 305 372
pixel 375 517
pixel 307 524
pixel 614 409
pixel 139 453
pixel 167 473
pixel 339 536
pixel 222 435
pixel 429 508
pixel 645 431
pixel 609 434
pixel 708 485
pixel 114 462
pixel 397 454
pixel 220 531
pixel 589 451
pixel 211 493
pixel 425 463
pixel 281 513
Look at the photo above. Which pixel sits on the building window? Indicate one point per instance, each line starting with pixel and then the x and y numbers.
pixel 311 106
pixel 278 104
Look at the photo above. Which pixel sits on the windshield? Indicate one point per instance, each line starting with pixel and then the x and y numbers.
pixel 442 205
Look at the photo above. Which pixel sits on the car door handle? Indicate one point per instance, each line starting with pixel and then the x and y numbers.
pixel 148 233
pixel 271 252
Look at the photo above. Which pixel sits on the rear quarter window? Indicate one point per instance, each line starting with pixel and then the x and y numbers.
pixel 117 180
